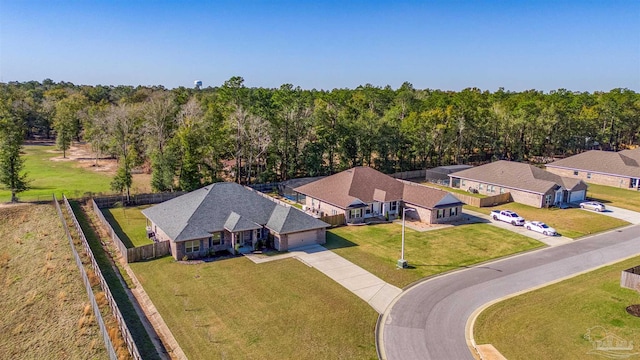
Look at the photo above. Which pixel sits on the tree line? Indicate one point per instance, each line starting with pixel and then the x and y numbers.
pixel 190 137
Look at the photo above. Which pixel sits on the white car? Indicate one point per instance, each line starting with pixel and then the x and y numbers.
pixel 594 205
pixel 540 227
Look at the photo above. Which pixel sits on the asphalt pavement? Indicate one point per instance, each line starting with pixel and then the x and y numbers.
pixel 428 321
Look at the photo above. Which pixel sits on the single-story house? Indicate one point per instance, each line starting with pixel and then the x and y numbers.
pixel 620 169
pixel 363 192
pixel 228 216
pixel 440 174
pixel 526 183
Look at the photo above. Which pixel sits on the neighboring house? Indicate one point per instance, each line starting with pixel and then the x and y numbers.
pixel 228 216
pixel 527 184
pixel 620 169
pixel 440 174
pixel 363 192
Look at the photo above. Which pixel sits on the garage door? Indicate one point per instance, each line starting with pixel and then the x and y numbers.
pixel 577 196
pixel 302 239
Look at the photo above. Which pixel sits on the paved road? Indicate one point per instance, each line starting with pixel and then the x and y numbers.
pixel 428 321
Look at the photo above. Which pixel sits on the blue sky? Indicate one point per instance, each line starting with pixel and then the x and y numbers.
pixel 449 45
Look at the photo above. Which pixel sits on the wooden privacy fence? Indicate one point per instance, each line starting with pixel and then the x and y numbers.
pixel 333 220
pixel 126 334
pixel 141 199
pixel 129 255
pixel 630 278
pixel 486 201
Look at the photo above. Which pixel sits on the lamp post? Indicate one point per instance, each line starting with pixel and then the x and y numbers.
pixel 402 263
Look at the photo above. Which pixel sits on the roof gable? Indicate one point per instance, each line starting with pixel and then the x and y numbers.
pixel 427 197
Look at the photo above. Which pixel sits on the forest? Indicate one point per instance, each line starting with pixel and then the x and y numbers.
pixel 187 137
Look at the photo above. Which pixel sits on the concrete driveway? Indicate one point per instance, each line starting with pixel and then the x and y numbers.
pixel 429 321
pixel 622 214
pixel 364 284
pixel 549 240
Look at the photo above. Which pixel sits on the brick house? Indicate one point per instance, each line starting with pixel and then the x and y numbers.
pixel 526 183
pixel 228 216
pixel 362 192
pixel 620 169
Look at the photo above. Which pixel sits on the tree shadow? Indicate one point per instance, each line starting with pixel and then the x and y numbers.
pixel 337 242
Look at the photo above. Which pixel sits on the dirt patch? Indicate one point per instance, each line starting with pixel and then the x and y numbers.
pixel 634 310
pixel 11 205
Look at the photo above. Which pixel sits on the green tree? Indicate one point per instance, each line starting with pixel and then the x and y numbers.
pixel 11 163
pixel 67 119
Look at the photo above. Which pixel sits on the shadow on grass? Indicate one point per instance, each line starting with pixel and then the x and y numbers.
pixel 116 227
pixel 337 242
pixel 590 198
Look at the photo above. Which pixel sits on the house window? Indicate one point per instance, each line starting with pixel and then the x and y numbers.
pixel 192 246
pixel 356 213
pixel 547 199
pixel 394 206
pixel 440 213
pixel 369 209
pixel 479 186
pixel 501 190
pixel 453 211
pixel 215 239
pixel 313 203
pixel 334 212
pixel 462 183
pixel 588 175
pixel 575 173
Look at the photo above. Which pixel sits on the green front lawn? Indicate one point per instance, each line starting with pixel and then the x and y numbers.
pixel 129 224
pixel 48 177
pixel 624 198
pixel 552 322
pixel 235 309
pixel 572 223
pixel 376 248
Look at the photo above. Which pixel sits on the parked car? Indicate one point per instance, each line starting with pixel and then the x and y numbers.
pixel 540 227
pixel 592 205
pixel 507 216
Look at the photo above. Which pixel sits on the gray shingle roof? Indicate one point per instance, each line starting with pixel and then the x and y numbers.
pixel 624 163
pixel 210 209
pixel 361 185
pixel 519 176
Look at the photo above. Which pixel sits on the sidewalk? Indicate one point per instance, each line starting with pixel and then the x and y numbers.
pixel 359 281
pixel 482 218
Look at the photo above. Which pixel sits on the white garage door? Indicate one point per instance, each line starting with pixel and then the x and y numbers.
pixel 302 239
pixel 577 196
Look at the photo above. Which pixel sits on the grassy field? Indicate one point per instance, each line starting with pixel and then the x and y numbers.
pixel 57 177
pixel 129 224
pixel 65 176
pixel 572 223
pixel 44 307
pixel 624 198
pixel 377 248
pixel 235 309
pixel 552 322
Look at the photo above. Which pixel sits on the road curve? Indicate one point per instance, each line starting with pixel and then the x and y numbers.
pixel 428 321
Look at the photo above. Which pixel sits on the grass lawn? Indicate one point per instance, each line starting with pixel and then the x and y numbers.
pixel 572 223
pixel 48 177
pixel 608 195
pixel 235 309
pixel 551 323
pixel 454 190
pixel 129 224
pixel 376 248
pixel 44 307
